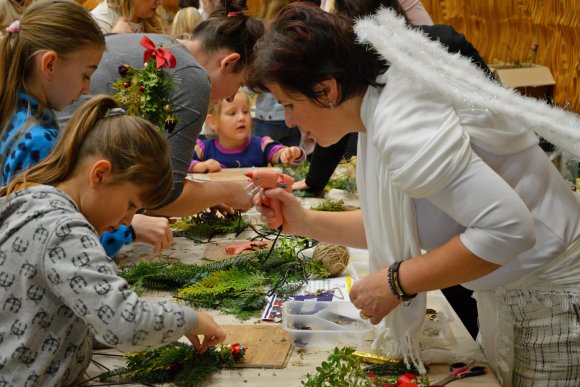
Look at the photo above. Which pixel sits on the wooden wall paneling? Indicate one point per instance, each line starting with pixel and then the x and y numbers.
pixel 504 31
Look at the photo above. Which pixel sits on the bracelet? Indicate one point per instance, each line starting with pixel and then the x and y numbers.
pixel 395 286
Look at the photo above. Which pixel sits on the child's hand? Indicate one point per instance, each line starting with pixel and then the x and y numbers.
pixel 152 230
pixel 206 166
pixel 211 331
pixel 289 154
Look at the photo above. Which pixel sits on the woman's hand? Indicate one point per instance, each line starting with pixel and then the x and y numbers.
pixel 211 331
pixel 152 230
pixel 289 154
pixel 293 214
pixel 206 166
pixel 373 296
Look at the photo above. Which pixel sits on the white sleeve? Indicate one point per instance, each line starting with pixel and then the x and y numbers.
pixel 498 224
pixel 104 17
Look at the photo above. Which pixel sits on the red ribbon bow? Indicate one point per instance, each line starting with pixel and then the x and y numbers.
pixel 163 56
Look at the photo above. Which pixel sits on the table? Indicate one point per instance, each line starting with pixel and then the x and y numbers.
pixel 457 339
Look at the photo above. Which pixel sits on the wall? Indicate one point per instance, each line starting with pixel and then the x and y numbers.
pixel 504 31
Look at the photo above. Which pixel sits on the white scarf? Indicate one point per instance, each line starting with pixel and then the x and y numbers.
pixel 388 211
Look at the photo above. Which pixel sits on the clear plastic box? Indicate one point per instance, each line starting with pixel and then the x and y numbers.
pixel 324 324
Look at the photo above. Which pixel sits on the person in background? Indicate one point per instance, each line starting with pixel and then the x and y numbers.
pixel 10 10
pixel 189 3
pixel 61 287
pixel 235 146
pixel 207 7
pixel 129 16
pixel 269 114
pixel 413 10
pixel 432 129
pixel 184 22
pixel 210 66
pixel 325 159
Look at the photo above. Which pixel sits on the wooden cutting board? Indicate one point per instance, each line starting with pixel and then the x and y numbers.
pixel 268 346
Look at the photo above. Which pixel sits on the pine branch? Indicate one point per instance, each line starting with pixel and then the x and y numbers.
pixel 177 363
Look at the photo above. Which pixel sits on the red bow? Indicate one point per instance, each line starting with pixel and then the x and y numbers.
pixel 163 56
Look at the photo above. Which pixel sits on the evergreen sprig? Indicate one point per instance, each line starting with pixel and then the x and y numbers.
pixel 208 224
pixel 177 363
pixel 331 206
pixel 238 285
pixel 344 369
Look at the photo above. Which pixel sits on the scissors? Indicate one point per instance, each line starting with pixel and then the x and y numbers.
pixel 459 371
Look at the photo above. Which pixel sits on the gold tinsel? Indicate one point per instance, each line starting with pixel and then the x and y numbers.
pixel 333 257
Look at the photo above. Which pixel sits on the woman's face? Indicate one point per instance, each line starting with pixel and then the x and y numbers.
pixel 146 9
pixel 208 6
pixel 313 120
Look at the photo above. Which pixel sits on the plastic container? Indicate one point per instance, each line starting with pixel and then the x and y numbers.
pixel 436 331
pixel 324 324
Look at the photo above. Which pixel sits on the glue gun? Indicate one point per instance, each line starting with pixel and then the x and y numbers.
pixel 269 179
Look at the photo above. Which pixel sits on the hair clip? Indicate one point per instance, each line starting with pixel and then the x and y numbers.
pixel 235 13
pixel 115 112
pixel 14 27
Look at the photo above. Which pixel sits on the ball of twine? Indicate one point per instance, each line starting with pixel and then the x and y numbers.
pixel 333 257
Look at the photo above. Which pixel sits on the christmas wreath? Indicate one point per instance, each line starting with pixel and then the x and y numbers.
pixel 146 92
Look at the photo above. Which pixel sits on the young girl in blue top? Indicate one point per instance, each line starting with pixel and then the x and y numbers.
pixel 45 65
pixel 60 289
pixel 235 146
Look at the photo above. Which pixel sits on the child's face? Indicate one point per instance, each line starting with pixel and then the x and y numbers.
pixel 145 9
pixel 71 77
pixel 111 205
pixel 234 123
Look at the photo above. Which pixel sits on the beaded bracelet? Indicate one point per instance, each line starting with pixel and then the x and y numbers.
pixel 393 279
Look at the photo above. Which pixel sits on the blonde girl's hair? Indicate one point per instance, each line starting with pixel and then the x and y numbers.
pixel 138 152
pixel 126 9
pixel 62 26
pixel 184 22
pixel 10 10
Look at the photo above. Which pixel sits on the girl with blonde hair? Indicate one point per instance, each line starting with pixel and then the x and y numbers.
pixel 129 16
pixel 104 167
pixel 184 22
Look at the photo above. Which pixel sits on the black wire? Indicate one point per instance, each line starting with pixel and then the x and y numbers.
pixel 273 244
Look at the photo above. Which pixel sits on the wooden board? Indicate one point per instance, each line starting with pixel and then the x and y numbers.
pixel 227 174
pixel 268 346
pixel 215 251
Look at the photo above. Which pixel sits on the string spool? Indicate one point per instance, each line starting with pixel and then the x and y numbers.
pixel 333 257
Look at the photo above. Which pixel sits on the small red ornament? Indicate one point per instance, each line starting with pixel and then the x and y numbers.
pixel 237 350
pixel 142 88
pixel 127 84
pixel 407 380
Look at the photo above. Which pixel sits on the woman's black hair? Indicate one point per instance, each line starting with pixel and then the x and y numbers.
pixel 305 46
pixel 355 9
pixel 228 27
